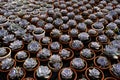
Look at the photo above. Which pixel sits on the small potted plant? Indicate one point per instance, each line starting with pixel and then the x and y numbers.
pixel 92 33
pixel 64 39
pixel 16 45
pixel 72 23
pixel 110 78
pixel 42 72
pixel 87 54
pixel 109 33
pixel 81 27
pixel 93 73
pixel 31 64
pixel 58 22
pixel 7 64
pixel 103 39
pixel 20 32
pixel 27 38
pixel 73 32
pixel 48 27
pixel 45 41
pixel 30 28
pixel 34 46
pixel 55 46
pixel 102 62
pixel 66 53
pixel 116 43
pixel 39 33
pixel 5 52
pixel 55 63
pixel 76 45
pixel 44 54
pixel 78 64
pixel 98 26
pixel 22 55
pixel 3 33
pixel 95 46
pixel 84 37
pixel 64 28
pixel 55 33
pixel 67 74
pixel 111 51
pixel 115 70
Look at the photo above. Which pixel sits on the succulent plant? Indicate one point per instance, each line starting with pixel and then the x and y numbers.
pixel 20 32
pixel 78 63
pixel 92 32
pixel 102 61
pixel 109 32
pixel 17 44
pixel 16 72
pixel 55 59
pixel 44 53
pixel 48 26
pixel 43 71
pixel 74 32
pixel 87 53
pixel 3 51
pixel 111 51
pixel 76 44
pixel 116 69
pixel 116 43
pixel 94 73
pixel 8 38
pixel 83 36
pixel 64 27
pixel 27 37
pixel 30 28
pixel 41 23
pixel 55 32
pixel 98 25
pixel 7 63
pixel 64 53
pixel 72 23
pixel 45 40
pixel 14 27
pixel 3 33
pixel 81 26
pixel 33 46
pixel 38 30
pixel 65 38
pixel 95 45
pixel 67 73
pixel 112 26
pixel 30 63
pixel 2 19
pixel 102 38
pixel 55 45
pixel 58 22
pixel 21 55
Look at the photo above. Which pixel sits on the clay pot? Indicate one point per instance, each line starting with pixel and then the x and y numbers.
pixel 75 74
pixel 71 54
pixel 89 59
pixel 3 70
pixel 38 63
pixel 44 43
pixel 104 43
pixel 28 78
pixel 88 77
pixel 110 78
pixel 7 55
pixel 18 60
pixel 64 42
pixel 100 67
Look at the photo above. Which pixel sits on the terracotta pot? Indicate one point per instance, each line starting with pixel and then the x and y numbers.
pixel 3 70
pixel 53 69
pixel 38 63
pixel 28 55
pixel 79 70
pixel 91 35
pixel 88 77
pixel 75 74
pixel 100 31
pixel 35 77
pixel 39 36
pixel 100 50
pixel 64 30
pixel 88 58
pixel 71 54
pixel 76 49
pixel 100 67
pixel 8 78
pixel 7 55
pixel 40 41
pixel 63 42
pixel 54 50
pixel 104 43
pixel 28 78
pixel 110 78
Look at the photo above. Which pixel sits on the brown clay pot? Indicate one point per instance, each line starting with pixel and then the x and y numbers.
pixel 91 35
pixel 104 43
pixel 79 70
pixel 34 67
pixel 63 42
pixel 71 54
pixel 28 55
pixel 100 67
pixel 110 78
pixel 8 78
pixel 40 41
pixel 2 70
pixel 87 76
pixel 75 73
pixel 88 58
pixel 28 78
